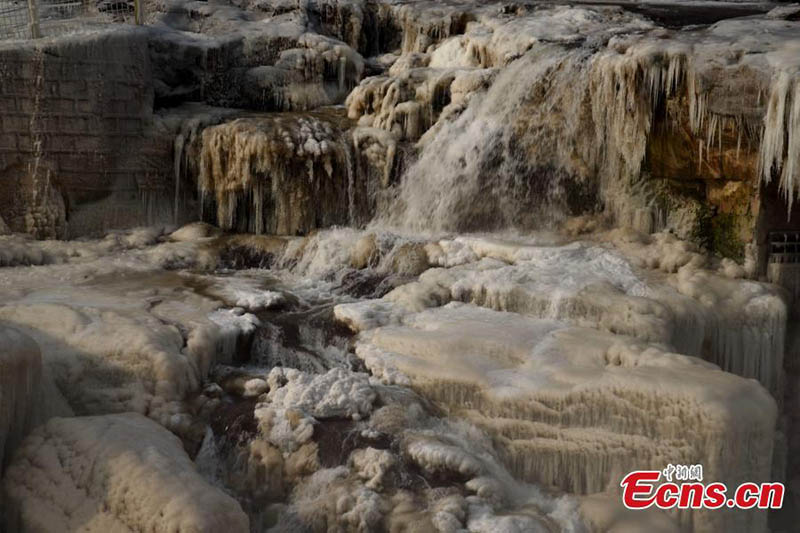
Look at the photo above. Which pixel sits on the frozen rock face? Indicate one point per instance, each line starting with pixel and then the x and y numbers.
pixel 555 358
pixel 608 98
pixel 609 101
pixel 20 368
pixel 503 143
pixel 112 473
pixel 408 102
pixel 277 174
pixel 252 56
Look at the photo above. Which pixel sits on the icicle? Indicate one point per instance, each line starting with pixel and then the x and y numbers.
pixel 789 185
pixel 177 159
pixel 738 140
pixel 700 159
pixel 772 139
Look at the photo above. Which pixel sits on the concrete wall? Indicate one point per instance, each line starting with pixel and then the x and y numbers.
pixel 78 147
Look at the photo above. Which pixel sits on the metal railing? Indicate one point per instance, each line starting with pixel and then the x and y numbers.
pixel 15 19
pixel 784 247
pixel 31 19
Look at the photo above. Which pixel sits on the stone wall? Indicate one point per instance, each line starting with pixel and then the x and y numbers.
pixel 78 146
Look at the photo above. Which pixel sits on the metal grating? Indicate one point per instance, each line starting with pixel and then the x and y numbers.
pixel 784 247
pixel 14 19
pixel 30 19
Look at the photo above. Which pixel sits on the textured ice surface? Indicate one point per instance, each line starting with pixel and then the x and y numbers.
pixel 575 407
pixel 566 364
pixel 115 332
pixel 20 380
pixel 335 394
pixel 568 356
pixel 112 473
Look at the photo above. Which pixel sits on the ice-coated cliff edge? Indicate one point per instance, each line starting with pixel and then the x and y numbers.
pixel 452 266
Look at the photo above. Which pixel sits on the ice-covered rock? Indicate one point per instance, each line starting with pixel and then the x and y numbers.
pixel 20 377
pixel 112 473
pixel 194 232
pixel 575 407
pixel 272 174
pixel 335 394
pixel 115 335
pixel 245 292
pixel 737 324
pixel 372 465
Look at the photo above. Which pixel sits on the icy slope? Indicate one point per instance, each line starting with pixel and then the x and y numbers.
pixel 112 473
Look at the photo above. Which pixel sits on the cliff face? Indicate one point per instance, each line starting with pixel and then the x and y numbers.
pixel 657 128
pixel 78 150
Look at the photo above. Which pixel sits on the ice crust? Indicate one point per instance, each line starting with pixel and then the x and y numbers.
pixel 20 381
pixel 562 364
pixel 112 473
pixel 115 332
pixel 583 366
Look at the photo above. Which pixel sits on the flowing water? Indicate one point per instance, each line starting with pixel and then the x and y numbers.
pixel 458 303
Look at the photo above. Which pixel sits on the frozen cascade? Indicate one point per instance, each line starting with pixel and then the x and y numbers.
pixel 568 380
pixel 560 123
pixel 488 364
pixel 739 325
pixel 481 153
pixel 487 359
pixel 780 147
pixel 272 174
pixel 555 127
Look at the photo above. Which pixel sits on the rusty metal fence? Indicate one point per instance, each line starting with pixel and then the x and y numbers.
pixel 784 247
pixel 31 19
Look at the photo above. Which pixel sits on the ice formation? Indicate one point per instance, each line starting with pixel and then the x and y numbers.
pixel 260 171
pixel 368 489
pixel 335 394
pixel 525 368
pixel 112 473
pixel 557 363
pixel 119 335
pixel 603 97
pixel 21 365
pixel 499 381
pixel 244 292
